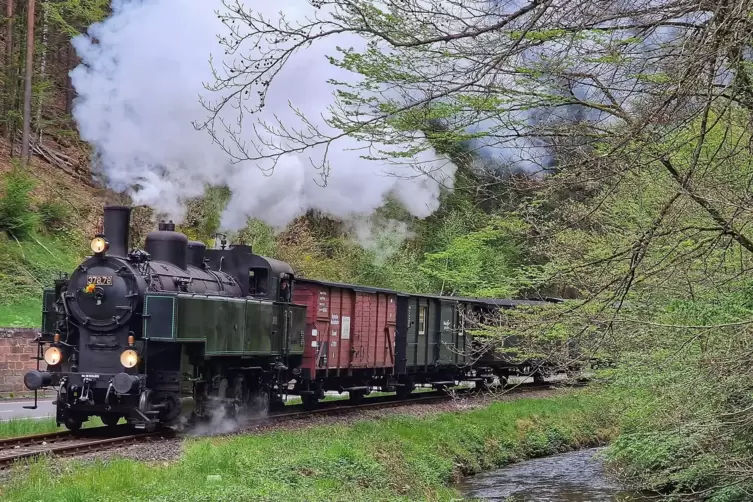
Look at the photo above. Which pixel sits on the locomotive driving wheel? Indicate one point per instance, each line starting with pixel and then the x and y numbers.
pixel 110 419
pixel 259 401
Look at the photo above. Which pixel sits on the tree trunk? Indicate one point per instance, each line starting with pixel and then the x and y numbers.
pixel 8 69
pixel 69 92
pixel 27 91
pixel 42 71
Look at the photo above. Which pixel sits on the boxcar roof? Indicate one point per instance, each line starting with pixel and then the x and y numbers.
pixel 354 287
pixel 504 302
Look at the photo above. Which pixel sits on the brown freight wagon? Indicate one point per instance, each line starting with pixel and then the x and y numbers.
pixel 359 337
pixel 349 338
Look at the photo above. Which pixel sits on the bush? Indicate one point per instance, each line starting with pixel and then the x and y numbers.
pixel 53 216
pixel 17 217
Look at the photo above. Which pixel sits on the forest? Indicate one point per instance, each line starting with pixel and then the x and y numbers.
pixel 595 151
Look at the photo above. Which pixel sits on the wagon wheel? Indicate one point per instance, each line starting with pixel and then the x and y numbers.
pixel 73 423
pixel 486 384
pixel 405 391
pixel 356 396
pixel 310 401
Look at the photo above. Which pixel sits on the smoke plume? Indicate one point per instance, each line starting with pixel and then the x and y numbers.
pixel 139 84
pixel 383 237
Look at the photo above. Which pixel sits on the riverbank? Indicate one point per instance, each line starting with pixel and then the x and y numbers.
pixel 393 458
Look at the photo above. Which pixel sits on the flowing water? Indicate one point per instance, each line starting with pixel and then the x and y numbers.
pixel 571 477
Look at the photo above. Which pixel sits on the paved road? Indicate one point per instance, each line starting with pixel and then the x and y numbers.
pixel 15 409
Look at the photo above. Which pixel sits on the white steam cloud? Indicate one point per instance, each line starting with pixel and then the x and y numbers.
pixel 138 92
pixel 383 237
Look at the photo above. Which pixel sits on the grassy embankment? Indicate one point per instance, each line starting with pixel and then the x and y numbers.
pixel 44 217
pixel 26 267
pixel 398 458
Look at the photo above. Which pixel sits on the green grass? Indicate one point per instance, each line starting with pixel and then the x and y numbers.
pixel 397 458
pixel 26 268
pixel 28 426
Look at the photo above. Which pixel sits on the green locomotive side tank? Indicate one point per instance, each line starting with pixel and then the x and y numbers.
pixel 227 326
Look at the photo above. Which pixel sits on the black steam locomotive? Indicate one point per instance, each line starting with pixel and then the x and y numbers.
pixel 148 335
pixel 128 331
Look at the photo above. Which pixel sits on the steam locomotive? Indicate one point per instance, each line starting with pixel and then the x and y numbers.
pixel 149 335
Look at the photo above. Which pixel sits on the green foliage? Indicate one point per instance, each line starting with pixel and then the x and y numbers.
pixel 17 217
pixel 398 458
pixel 54 216
pixel 259 236
pixel 74 16
pixel 686 401
pixel 482 263
pixel 26 268
pixel 203 214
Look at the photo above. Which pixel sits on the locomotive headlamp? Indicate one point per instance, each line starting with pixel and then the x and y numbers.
pixel 53 356
pixel 129 358
pixel 99 244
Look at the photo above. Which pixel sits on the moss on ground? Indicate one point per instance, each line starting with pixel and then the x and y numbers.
pixel 397 458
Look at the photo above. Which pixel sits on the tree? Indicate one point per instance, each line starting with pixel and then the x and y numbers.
pixel 25 138
pixel 635 118
pixel 599 91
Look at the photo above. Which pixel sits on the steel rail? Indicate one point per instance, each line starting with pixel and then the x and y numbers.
pixel 67 443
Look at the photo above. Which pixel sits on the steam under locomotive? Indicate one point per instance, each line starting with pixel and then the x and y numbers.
pixel 148 334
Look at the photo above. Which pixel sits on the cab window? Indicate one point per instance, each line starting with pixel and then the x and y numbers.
pixel 257 282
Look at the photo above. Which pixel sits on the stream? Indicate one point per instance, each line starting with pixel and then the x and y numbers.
pixel 570 477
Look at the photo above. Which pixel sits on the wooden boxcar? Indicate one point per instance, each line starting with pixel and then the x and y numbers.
pixel 360 337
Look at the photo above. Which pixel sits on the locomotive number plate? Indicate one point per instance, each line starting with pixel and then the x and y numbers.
pixel 99 280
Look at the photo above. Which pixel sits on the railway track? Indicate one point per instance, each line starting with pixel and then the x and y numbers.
pixel 66 443
pixel 297 412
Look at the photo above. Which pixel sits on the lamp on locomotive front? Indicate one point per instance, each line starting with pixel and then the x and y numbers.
pixel 53 356
pixel 99 245
pixel 130 357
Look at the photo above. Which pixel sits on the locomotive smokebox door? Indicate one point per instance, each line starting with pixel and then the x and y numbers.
pixel 103 294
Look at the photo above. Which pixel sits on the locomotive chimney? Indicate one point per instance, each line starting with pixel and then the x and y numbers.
pixel 116 227
pixel 166 227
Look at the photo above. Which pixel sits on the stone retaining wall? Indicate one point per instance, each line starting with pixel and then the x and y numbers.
pixel 16 357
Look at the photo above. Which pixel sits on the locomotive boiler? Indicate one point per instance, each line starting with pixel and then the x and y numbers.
pixel 144 334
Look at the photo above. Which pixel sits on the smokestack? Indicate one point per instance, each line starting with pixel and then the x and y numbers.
pixel 166 227
pixel 117 222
